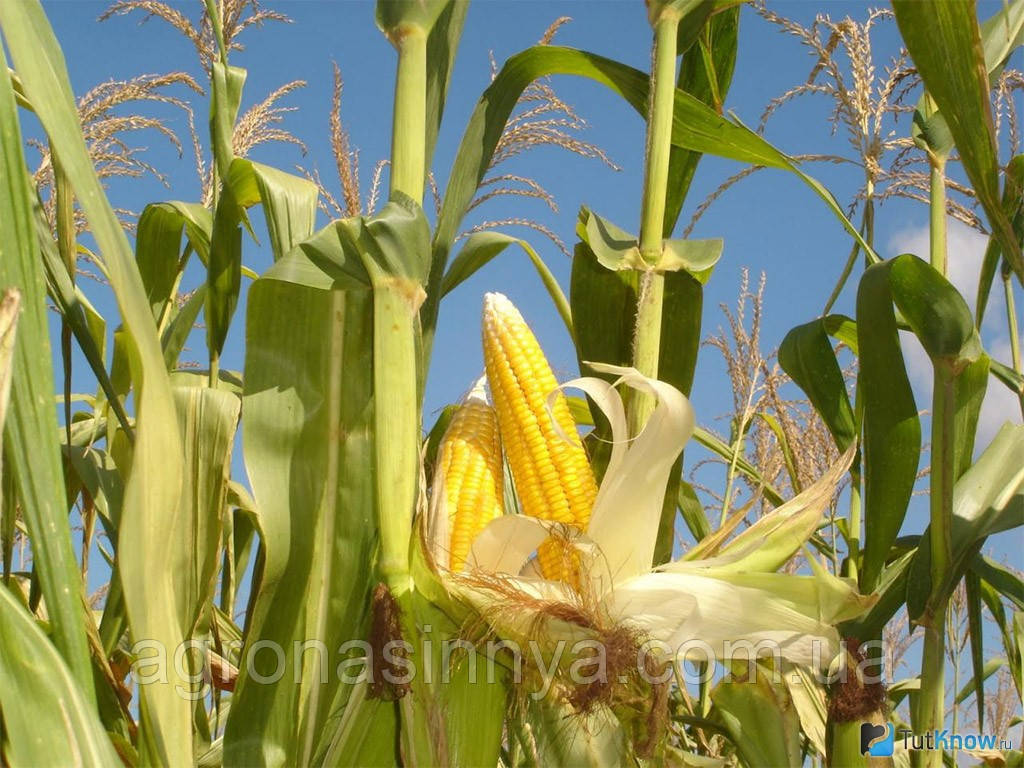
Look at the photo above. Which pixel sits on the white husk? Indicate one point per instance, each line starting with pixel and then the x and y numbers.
pixel 732 597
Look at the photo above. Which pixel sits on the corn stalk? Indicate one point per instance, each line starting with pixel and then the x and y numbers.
pixel 651 299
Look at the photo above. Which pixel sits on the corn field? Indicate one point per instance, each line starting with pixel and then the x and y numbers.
pixel 299 563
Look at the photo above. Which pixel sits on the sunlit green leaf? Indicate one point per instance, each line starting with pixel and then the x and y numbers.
pixel 481 247
pixel 31 452
pixel 760 719
pixel 944 41
pixel 48 720
pixel 892 431
pixel 987 499
pixel 806 355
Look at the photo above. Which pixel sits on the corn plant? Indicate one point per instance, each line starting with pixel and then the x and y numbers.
pixel 377 565
pixel 968 499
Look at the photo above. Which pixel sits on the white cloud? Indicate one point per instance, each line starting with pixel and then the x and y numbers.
pixel 1001 405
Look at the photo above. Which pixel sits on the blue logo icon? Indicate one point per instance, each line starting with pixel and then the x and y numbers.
pixel 877 740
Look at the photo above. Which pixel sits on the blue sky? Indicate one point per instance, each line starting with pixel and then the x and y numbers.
pixel 770 222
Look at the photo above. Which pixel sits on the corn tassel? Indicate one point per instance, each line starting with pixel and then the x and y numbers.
pixel 469 474
pixel 553 478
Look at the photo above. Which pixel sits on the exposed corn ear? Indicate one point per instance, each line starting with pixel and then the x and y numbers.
pixel 469 483
pixel 553 478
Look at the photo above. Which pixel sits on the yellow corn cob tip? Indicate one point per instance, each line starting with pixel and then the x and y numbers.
pixel 553 478
pixel 468 487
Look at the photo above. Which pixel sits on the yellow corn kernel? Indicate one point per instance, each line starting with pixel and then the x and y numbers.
pixel 553 478
pixel 469 471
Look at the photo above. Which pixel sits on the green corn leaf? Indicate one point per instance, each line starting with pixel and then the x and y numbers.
pixel 394 242
pixel 772 541
pixel 207 418
pixel 1011 644
pixel 806 355
pixel 224 265
pixel 842 328
pixel 783 442
pixel 614 248
pixel 31 452
pixel 363 733
pixel 987 499
pixel 892 431
pixel 930 129
pixel 989 668
pixel 148 560
pixel 760 719
pixel 433 440
pixel 325 261
pixel 809 700
pixel 48 719
pixel 308 447
pixel 941 320
pixel 975 627
pixel 936 313
pixel 289 201
pixel 289 205
pixel 393 15
pixel 677 363
pixel 8 521
pixel 442 45
pixel 599 743
pixel 689 12
pixel 10 305
pixel 180 326
pixel 158 254
pixel 968 396
pixel 1001 34
pixel 603 303
pixel 692 512
pixel 1004 579
pixel 603 308
pixel 695 126
pixel 1018 648
pixel 680 330
pixel 695 257
pixel 1013 203
pixel 226 83
pixel 705 73
pixel 85 322
pixel 195 220
pixel 96 473
pixel 481 247
pixel 944 41
pixel 224 270
pixel 618 250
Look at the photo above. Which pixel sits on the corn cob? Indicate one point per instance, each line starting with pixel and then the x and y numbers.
pixel 470 473
pixel 553 478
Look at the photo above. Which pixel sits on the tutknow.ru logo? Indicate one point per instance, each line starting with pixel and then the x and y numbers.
pixel 876 740
pixel 880 740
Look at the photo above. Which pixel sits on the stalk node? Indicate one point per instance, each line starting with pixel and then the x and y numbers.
pixel 387 647
pixel 851 698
